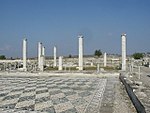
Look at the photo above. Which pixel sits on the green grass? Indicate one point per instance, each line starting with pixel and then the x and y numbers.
pixel 90 68
pixel 51 68
pixel 108 68
pixel 85 68
pixel 70 68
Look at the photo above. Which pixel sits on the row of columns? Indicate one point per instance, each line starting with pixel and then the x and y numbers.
pixel 80 56
pixel 41 55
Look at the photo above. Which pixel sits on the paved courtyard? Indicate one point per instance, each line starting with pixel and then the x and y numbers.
pixel 56 94
pixel 50 94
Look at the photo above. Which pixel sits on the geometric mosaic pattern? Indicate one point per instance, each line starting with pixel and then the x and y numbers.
pixel 50 94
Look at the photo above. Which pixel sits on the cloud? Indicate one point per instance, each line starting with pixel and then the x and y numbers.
pixel 5 48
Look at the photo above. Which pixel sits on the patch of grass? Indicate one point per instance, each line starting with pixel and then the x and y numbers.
pixel 51 68
pixel 56 68
pixel 108 68
pixel 90 68
pixel 85 68
pixel 70 68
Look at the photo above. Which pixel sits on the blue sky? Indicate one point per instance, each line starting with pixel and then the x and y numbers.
pixel 59 22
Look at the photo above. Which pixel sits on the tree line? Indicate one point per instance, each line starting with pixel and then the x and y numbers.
pixel 2 57
pixel 98 53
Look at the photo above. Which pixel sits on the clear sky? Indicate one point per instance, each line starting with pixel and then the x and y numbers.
pixel 59 22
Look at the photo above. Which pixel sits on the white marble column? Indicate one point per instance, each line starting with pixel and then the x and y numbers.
pixel 105 59
pixel 80 52
pixel 123 37
pixel 39 53
pixel 41 63
pixel 25 54
pixel 43 53
pixel 60 63
pixel 55 56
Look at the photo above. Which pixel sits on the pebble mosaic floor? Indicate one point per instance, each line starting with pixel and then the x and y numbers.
pixel 51 94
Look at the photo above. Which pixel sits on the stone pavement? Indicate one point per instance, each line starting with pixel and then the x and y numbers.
pixel 109 96
pixel 56 94
pixel 49 94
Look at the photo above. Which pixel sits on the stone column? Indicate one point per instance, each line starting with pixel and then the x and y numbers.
pixel 92 64
pixel 60 63
pixel 105 59
pixel 39 53
pixel 43 53
pixel 55 56
pixel 25 54
pixel 80 52
pixel 41 63
pixel 123 37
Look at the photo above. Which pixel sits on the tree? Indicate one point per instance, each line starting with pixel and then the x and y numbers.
pixel 70 56
pixel 98 53
pixel 137 55
pixel 2 57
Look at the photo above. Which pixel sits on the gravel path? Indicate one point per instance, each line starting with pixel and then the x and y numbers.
pixel 115 98
pixel 122 102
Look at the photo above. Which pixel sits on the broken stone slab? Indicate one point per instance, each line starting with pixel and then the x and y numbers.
pixel 141 94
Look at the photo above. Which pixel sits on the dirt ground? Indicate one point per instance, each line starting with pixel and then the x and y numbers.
pixel 141 86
